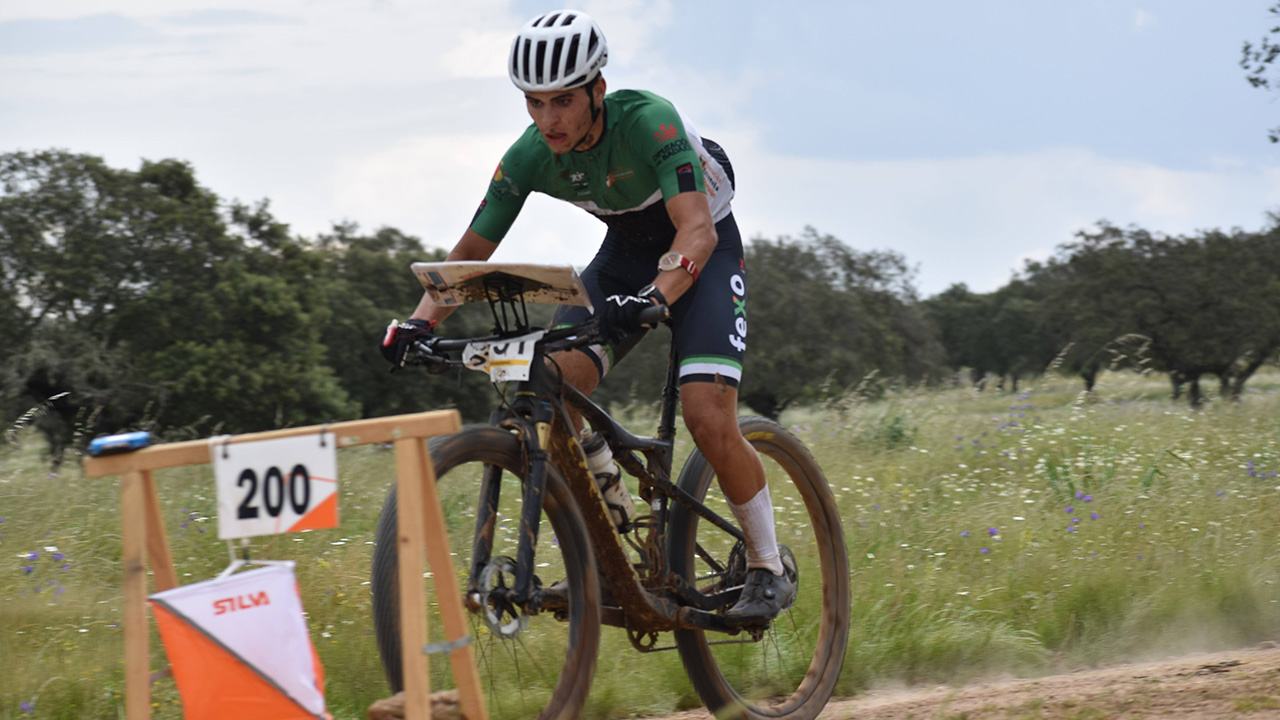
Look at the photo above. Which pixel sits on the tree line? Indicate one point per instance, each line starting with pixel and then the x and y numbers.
pixel 1190 307
pixel 138 299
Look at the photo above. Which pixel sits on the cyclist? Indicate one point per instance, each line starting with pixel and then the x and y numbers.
pixel 663 191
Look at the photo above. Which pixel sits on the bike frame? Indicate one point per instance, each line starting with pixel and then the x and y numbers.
pixel 650 598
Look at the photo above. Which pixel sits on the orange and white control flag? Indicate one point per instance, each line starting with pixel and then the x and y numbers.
pixel 239 648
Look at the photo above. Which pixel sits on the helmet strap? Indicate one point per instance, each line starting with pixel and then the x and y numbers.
pixel 590 87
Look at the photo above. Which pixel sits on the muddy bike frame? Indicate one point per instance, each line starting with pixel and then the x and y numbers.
pixel 650 598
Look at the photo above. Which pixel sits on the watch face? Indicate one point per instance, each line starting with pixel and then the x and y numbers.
pixel 670 261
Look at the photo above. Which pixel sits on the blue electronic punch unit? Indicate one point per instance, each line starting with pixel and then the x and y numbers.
pixel 125 442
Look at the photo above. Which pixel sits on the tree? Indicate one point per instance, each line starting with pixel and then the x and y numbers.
pixel 369 283
pixel 823 316
pixel 1257 60
pixel 144 303
pixel 1206 305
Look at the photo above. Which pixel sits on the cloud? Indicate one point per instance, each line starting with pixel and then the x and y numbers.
pixel 974 219
pixel 227 18
pixel 478 54
pixel 80 35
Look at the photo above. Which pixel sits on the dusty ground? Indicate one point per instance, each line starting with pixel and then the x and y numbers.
pixel 1234 684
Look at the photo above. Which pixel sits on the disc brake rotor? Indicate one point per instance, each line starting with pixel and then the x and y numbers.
pixel 503 618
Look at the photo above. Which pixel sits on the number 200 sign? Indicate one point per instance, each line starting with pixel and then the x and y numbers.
pixel 278 486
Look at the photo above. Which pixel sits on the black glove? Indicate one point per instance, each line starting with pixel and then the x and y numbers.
pixel 400 336
pixel 622 312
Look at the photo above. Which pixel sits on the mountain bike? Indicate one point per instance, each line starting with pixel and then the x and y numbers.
pixel 676 568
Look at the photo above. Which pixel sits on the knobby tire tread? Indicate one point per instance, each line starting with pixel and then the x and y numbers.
pixel 496 446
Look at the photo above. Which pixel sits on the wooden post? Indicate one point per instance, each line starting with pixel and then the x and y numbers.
pixel 133 539
pixel 410 537
pixel 158 555
pixel 452 614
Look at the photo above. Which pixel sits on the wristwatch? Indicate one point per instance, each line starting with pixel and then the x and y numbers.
pixel 674 260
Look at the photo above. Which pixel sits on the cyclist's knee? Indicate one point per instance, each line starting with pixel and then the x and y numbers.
pixel 578 370
pixel 711 413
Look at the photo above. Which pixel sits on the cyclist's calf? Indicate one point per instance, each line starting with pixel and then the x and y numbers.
pixel 711 413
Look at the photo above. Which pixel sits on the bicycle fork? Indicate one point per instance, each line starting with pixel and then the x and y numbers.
pixel 534 489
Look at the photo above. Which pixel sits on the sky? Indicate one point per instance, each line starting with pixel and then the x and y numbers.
pixel 968 137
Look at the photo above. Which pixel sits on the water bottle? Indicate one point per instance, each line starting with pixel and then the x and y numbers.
pixel 609 479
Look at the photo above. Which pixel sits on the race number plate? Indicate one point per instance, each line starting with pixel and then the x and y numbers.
pixel 505 360
pixel 276 486
pixel 509 359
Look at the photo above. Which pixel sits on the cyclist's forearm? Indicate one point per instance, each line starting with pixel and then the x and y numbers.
pixel 695 239
pixel 428 310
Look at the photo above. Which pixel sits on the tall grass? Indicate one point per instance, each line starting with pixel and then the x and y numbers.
pixel 987 532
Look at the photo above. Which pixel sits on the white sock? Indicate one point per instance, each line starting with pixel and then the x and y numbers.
pixel 756 518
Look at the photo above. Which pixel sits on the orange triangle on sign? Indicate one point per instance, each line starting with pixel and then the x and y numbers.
pixel 214 683
pixel 324 515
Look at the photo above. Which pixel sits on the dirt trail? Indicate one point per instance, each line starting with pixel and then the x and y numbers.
pixel 1232 684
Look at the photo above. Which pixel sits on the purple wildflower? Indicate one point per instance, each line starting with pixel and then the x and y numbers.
pixel 964 533
pixel 1070 509
pixel 1088 498
pixel 1079 495
pixel 1075 520
pixel 984 551
pixel 59 556
pixel 26 707
pixel 993 531
pixel 28 569
pixel 1071 528
pixel 33 555
pixel 1093 516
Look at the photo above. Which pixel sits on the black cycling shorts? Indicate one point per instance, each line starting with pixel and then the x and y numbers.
pixel 709 321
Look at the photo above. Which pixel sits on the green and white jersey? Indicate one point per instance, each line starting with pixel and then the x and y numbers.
pixel 647 153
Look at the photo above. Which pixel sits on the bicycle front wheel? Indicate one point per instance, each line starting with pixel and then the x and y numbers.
pixel 791 670
pixel 530 665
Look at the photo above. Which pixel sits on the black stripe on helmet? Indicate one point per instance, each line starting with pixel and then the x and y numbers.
pixel 556 51
pixel 552 20
pixel 528 45
pixel 572 65
pixel 568 19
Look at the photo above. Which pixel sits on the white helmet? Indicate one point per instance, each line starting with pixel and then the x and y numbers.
pixel 560 50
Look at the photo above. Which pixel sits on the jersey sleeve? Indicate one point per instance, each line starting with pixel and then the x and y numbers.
pixel 507 191
pixel 659 136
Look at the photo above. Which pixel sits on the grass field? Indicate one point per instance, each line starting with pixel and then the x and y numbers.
pixel 987 532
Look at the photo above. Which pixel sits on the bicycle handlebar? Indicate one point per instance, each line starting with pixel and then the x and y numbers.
pixel 435 352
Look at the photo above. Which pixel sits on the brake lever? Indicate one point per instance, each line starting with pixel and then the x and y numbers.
pixel 424 354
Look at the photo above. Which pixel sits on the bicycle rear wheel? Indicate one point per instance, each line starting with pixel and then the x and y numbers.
pixel 543 669
pixel 792 669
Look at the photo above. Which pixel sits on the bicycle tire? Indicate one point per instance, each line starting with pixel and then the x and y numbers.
pixel 739 683
pixel 580 633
